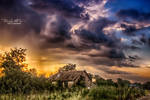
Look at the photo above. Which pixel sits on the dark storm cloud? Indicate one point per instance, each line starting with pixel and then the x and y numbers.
pixel 90 37
pixel 133 46
pixel 64 31
pixel 94 38
pixel 9 4
pixel 129 29
pixel 136 42
pixel 133 58
pixel 113 57
pixel 68 8
pixel 58 30
pixel 115 62
pixel 95 34
pixel 133 14
pixel 149 41
pixel 87 1
pixel 126 64
pixel 114 53
pixel 97 25
pixel 17 9
pixel 110 57
pixel 109 62
pixel 96 60
pixel 143 39
pixel 116 72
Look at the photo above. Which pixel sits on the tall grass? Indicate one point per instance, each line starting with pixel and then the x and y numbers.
pixel 96 93
pixel 113 93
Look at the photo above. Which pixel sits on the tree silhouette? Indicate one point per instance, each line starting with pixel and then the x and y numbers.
pixel 68 67
pixel 16 79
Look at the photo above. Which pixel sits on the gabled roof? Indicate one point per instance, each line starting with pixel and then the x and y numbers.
pixel 68 75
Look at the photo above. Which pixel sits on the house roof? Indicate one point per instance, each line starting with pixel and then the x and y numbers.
pixel 68 75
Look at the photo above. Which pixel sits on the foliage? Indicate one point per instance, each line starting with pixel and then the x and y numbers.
pixel 97 93
pixel 146 85
pixel 68 67
pixel 123 83
pixel 114 93
pixel 16 79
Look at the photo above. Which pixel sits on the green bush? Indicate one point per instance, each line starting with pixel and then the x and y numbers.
pixel 103 93
pixel 114 93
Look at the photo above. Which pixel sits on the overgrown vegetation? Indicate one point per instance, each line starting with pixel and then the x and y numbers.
pixel 17 78
pixel 20 83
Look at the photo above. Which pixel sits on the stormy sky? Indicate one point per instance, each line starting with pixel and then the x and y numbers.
pixel 106 37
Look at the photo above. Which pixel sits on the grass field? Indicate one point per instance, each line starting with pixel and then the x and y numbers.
pixel 97 93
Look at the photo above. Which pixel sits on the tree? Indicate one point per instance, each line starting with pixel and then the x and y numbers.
pixel 68 67
pixel 146 85
pixel 15 59
pixel 18 80
pixel 123 83
pixel 14 79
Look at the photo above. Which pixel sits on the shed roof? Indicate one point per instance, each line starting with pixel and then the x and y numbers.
pixel 68 75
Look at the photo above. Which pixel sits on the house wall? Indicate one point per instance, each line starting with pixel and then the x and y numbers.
pixel 65 84
pixel 70 84
pixel 87 81
pixel 54 83
pixel 93 80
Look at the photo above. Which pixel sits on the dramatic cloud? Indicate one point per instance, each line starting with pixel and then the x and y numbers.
pixel 129 29
pixel 116 72
pixel 57 29
pixel 13 10
pixel 64 7
pixel 93 33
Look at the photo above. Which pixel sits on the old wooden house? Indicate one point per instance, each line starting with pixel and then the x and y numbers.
pixel 72 77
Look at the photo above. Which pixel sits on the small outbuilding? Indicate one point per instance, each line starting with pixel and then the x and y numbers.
pixel 72 77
